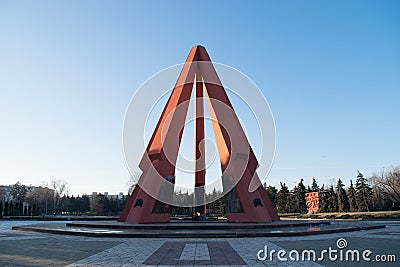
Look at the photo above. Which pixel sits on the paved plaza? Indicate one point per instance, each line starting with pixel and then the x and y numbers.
pixel 19 248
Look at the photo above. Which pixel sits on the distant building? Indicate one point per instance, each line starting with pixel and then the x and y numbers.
pixel 92 200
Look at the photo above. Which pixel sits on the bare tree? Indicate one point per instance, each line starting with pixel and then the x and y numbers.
pixel 60 189
pixel 41 199
pixel 59 186
pixel 133 180
pixel 389 182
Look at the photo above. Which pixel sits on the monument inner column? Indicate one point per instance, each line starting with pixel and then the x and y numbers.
pixel 199 150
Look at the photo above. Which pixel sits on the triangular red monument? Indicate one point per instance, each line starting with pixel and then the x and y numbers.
pixel 238 162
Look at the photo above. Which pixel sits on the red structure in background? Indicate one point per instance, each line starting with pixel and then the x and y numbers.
pixel 312 202
pixel 238 162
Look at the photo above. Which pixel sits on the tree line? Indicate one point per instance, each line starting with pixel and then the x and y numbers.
pixel 378 193
pixel 53 199
pixel 215 206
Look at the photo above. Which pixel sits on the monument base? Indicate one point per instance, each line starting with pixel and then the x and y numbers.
pixel 206 229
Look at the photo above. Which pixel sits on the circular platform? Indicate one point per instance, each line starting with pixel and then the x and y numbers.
pixel 199 229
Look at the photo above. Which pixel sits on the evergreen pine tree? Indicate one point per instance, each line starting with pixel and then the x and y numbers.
pixel 272 193
pixel 291 204
pixel 323 200
pixel 84 205
pixel 351 193
pixel 342 199
pixel 332 200
pixel 299 193
pixel 6 209
pixel 282 199
pixel 314 185
pixel 363 192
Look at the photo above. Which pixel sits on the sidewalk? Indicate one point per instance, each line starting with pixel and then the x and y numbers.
pixel 39 249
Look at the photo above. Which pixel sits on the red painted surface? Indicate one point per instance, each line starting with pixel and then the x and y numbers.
pixel 238 161
pixel 312 202
pixel 199 150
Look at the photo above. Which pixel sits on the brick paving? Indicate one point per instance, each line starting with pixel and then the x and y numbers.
pixel 195 253
pixel 40 249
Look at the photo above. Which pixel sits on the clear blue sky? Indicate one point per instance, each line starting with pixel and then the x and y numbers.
pixel 329 69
